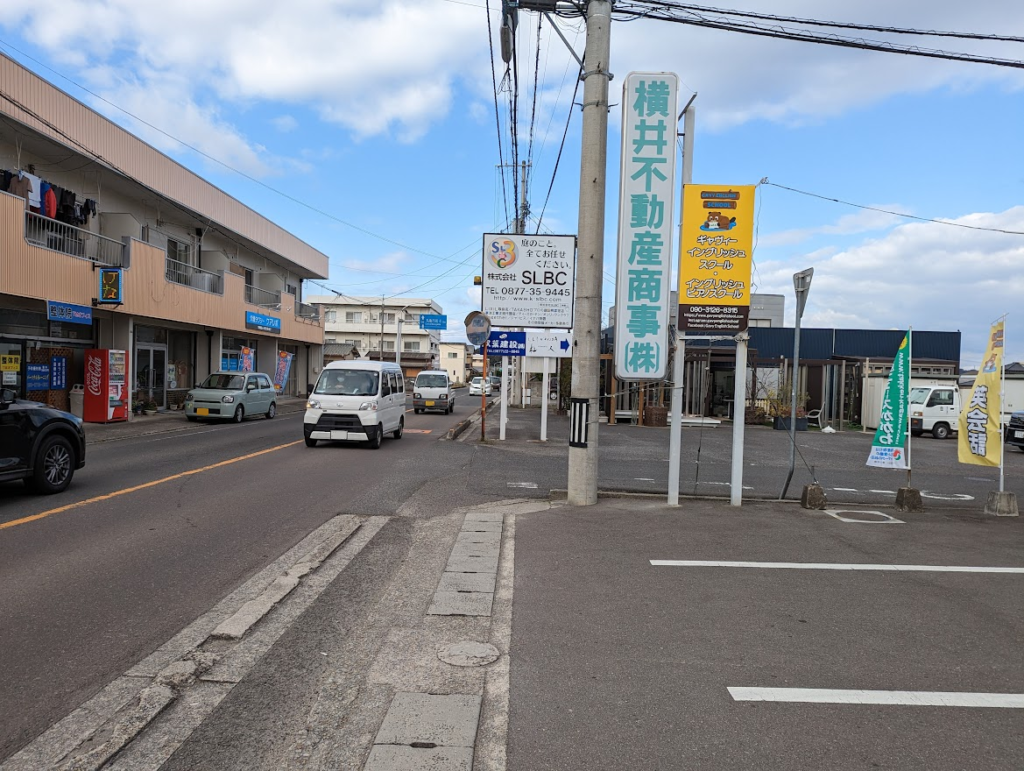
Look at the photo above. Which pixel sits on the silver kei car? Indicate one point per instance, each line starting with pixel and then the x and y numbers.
pixel 232 396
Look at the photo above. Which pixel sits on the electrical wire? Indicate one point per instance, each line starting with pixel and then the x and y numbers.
pixel 765 181
pixel 561 147
pixel 497 119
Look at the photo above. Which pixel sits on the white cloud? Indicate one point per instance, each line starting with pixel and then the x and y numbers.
pixel 388 263
pixel 929 276
pixel 284 123
pixel 863 221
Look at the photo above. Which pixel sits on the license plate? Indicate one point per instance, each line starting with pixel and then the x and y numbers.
pixel 202 411
pixel 430 404
pixel 339 435
pixel 1018 434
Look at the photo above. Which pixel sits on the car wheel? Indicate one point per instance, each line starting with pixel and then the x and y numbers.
pixel 916 433
pixel 940 431
pixel 191 418
pixel 54 466
pixel 397 433
pixel 239 414
pixel 310 441
pixel 417 410
pixel 272 411
pixel 375 437
pixel 1020 447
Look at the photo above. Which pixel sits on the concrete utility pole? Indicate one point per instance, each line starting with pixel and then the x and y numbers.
pixel 586 365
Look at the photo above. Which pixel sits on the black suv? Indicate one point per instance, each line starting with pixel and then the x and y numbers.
pixel 39 444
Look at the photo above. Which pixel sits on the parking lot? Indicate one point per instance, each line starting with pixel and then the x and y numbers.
pixel 710 637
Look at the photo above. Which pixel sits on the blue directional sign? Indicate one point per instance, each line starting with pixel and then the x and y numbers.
pixel 433 321
pixel 506 344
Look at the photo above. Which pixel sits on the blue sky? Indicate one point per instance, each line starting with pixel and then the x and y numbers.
pixel 381 114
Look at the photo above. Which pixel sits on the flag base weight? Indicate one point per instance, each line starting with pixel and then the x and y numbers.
pixel 1002 504
pixel 909 499
pixel 813 497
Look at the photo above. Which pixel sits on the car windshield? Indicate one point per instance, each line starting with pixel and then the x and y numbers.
pixel 347 382
pixel 918 395
pixel 478 381
pixel 431 381
pixel 223 382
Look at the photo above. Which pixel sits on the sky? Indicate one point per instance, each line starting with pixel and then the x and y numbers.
pixel 369 129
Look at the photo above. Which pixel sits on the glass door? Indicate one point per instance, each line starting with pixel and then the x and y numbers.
pixel 151 374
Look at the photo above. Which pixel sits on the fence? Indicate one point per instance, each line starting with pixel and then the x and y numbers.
pixel 261 297
pixel 75 242
pixel 189 275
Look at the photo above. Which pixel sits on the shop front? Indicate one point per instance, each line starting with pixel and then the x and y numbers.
pixel 164 365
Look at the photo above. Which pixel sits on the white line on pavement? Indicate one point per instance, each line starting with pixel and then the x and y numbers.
pixel 834 566
pixel 906 698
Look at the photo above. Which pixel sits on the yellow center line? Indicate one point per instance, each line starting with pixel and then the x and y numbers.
pixel 154 483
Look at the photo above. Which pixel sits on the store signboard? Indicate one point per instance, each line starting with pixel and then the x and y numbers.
pixel 72 314
pixel 529 280
pixel 58 373
pixel 37 377
pixel 556 345
pixel 111 286
pixel 506 343
pixel 262 323
pixel 716 253
pixel 646 194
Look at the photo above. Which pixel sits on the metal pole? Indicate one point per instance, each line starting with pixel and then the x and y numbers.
pixel 398 342
pixel 582 478
pixel 910 378
pixel 503 415
pixel 544 404
pixel 792 408
pixel 483 399
pixel 999 417
pixel 739 408
pixel 675 439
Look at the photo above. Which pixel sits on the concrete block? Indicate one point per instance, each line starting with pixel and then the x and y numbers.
pixel 813 497
pixel 426 718
pixel 461 604
pixel 467 582
pixel 909 499
pixel 1002 504
pixel 389 757
pixel 465 563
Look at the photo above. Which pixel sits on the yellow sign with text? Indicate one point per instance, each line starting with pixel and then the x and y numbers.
pixel 10 362
pixel 979 426
pixel 715 257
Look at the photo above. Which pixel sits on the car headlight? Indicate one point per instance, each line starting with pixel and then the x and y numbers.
pixel 372 406
pixel 227 399
pixel 313 404
pixel 917 413
pixel 416 396
pixel 189 396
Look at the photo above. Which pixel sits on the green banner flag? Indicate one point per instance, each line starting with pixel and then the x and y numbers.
pixel 888 449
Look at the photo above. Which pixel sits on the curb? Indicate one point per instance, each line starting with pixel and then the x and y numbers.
pixel 174 423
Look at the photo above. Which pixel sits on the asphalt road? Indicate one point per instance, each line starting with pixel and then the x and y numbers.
pixel 618 664
pixel 89 590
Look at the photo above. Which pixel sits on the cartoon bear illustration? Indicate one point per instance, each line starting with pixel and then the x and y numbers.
pixel 717 221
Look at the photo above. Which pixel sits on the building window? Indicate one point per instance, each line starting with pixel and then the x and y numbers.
pixel 453 355
pixel 331 340
pixel 389 318
pixel 353 317
pixel 389 345
pixel 352 342
pixel 412 347
pixel 177 250
pixel 331 316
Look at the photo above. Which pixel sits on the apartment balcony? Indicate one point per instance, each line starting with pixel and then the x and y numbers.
pixel 47 260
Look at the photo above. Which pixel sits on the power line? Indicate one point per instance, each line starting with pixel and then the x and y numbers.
pixel 647 9
pixel 497 120
pixel 561 147
pixel 894 213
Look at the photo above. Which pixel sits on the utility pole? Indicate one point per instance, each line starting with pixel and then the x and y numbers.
pixel 382 328
pixel 586 365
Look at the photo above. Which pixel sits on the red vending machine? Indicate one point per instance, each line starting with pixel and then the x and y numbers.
pixel 106 386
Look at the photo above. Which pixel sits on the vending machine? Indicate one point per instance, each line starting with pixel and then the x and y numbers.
pixel 106 386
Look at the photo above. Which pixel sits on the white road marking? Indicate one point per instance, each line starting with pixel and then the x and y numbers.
pixel 845 490
pixel 834 566
pixel 947 496
pixel 642 479
pixel 884 492
pixel 886 519
pixel 903 698
pixel 527 485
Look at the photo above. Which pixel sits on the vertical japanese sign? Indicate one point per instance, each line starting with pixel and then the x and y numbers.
pixel 889 447
pixel 245 360
pixel 646 193
pixel 980 422
pixel 111 286
pixel 284 366
pixel 715 258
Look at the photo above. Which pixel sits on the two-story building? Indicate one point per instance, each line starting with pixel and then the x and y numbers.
pixel 203 278
pixel 456 360
pixel 373 324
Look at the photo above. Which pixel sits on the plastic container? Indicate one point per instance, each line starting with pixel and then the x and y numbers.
pixel 77 400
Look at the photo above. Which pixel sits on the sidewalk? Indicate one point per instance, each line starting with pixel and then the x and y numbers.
pixel 164 422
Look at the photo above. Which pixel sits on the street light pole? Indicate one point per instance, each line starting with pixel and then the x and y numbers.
pixel 801 286
pixel 582 481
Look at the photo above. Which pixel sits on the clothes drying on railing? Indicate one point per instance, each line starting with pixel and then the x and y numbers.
pixel 50 200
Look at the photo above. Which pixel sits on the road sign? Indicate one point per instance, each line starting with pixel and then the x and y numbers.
pixel 506 344
pixel 529 280
pixel 549 344
pixel 478 327
pixel 433 321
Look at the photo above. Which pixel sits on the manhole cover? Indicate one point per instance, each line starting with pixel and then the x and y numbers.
pixel 468 654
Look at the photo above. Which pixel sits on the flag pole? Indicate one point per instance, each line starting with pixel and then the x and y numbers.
pixel 1002 401
pixel 906 401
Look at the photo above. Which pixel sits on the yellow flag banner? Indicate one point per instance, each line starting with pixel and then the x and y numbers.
pixel 980 421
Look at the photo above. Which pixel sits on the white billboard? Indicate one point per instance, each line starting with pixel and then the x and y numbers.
pixel 529 280
pixel 643 286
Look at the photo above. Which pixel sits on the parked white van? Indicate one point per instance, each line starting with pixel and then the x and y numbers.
pixel 433 391
pixel 356 401
pixel 934 408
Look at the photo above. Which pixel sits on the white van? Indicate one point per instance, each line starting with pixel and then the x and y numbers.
pixel 356 401
pixel 934 408
pixel 433 391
